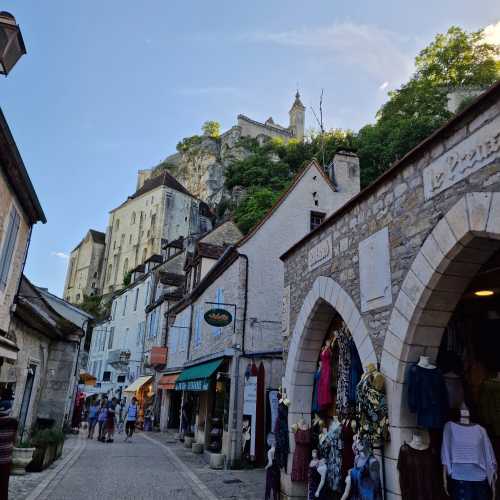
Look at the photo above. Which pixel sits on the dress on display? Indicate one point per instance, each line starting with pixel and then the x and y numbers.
pixel 315 403
pixel 324 391
pixel 272 481
pixel 343 375
pixel 371 406
pixel 313 483
pixel 420 475
pixel 365 481
pixel 347 451
pixel 334 458
pixel 301 455
pixel 427 396
pixel 355 373
pixel 281 435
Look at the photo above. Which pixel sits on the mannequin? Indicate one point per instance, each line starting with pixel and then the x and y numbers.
pixel 476 442
pixel 272 475
pixel 425 362
pixel 325 378
pixel 302 451
pixel 417 442
pixel 323 434
pixel 322 472
pixel 316 481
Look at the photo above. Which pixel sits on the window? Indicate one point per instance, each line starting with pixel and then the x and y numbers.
pixel 132 219
pixel 103 341
pixel 106 376
pixel 111 335
pixel 124 305
pixel 136 298
pixel 144 253
pixel 316 219
pixel 153 222
pixel 130 240
pixel 153 324
pixel 120 379
pixel 113 313
pixel 146 295
pixel 170 200
pixel 125 267
pixel 9 243
pixel 219 299
pixel 140 332
pixel 198 327
pixel 110 272
pixel 117 224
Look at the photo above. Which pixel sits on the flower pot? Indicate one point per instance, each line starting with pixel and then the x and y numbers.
pixel 21 458
pixel 188 441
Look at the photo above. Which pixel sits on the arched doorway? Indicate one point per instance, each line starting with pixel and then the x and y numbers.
pixel 327 306
pixel 461 255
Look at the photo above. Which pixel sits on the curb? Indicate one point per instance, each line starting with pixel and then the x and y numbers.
pixel 58 473
pixel 203 492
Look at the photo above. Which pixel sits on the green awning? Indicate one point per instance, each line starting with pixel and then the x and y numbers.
pixel 197 378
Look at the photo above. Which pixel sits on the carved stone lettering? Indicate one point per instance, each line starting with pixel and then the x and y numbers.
pixel 320 254
pixel 375 271
pixel 465 158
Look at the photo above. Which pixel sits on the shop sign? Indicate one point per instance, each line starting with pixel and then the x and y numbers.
pixel 218 317
pixel 250 413
pixel 465 158
pixel 320 253
pixel 193 385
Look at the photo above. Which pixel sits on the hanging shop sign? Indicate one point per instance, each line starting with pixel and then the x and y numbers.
pixel 218 317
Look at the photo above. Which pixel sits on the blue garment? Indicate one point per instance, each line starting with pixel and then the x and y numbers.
pixel 315 402
pixel 93 410
pixel 355 373
pixel 469 490
pixel 365 481
pixel 428 397
pixel 132 413
pixel 102 415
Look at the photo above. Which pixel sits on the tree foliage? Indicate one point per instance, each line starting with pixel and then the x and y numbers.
pixel 211 129
pixel 92 305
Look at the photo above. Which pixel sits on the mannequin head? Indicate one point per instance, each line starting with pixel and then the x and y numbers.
pixel 314 454
pixel 370 368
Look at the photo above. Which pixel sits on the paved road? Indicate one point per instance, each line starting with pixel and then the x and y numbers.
pixel 142 469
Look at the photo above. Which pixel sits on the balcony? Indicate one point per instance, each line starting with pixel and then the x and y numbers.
pixel 158 356
pixel 118 358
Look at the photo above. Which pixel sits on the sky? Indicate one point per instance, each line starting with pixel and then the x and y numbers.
pixel 110 87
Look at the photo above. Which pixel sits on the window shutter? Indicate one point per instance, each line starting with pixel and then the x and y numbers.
pixel 8 246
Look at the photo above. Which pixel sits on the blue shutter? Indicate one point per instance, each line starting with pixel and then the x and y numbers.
pixel 197 330
pixel 8 247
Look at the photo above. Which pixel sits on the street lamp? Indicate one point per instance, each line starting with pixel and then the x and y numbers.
pixel 11 43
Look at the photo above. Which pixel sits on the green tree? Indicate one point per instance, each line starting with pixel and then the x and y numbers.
pixel 454 60
pixel 211 129
pixel 92 305
pixel 253 208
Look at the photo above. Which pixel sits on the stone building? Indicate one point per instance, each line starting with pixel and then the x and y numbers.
pixel 49 334
pixel 411 260
pixel 161 210
pixel 84 268
pixel 219 365
pixel 19 211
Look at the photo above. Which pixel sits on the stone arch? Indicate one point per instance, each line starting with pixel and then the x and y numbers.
pixel 452 254
pixel 308 336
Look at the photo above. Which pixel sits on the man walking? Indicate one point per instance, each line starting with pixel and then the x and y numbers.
pixel 102 418
pixel 110 424
pixel 8 429
pixel 131 417
pixel 92 418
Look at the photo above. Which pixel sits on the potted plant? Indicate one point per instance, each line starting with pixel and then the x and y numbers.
pixel 22 455
pixel 46 442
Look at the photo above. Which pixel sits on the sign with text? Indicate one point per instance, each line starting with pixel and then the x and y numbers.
pixel 320 253
pixel 467 157
pixel 218 317
pixel 250 413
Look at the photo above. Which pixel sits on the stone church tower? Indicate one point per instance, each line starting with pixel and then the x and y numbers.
pixel 297 118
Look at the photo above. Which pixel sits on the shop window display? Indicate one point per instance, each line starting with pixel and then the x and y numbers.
pixel 456 400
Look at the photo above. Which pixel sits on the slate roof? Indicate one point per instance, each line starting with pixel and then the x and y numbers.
pixel 164 179
pixel 97 236
pixel 209 250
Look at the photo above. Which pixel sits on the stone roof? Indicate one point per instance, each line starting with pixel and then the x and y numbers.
pixel 209 250
pixel 97 236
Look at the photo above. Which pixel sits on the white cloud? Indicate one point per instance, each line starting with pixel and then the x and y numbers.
pixel 384 86
pixel 194 91
pixel 492 33
pixel 375 50
pixel 60 255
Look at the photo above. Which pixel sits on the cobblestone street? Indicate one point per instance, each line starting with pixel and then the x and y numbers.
pixel 151 467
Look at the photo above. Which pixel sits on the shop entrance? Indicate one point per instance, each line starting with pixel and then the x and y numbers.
pixel 441 349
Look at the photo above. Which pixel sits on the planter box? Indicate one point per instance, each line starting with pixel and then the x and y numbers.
pixel 42 458
pixel 21 458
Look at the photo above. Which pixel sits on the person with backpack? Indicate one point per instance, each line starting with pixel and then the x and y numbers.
pixel 131 418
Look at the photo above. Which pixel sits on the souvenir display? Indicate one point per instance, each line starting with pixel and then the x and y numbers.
pixel 272 476
pixel 317 478
pixel 427 394
pixel 324 392
pixel 282 435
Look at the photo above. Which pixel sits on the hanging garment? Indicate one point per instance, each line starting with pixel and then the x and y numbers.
pixel 467 453
pixel 281 435
pixel 324 393
pixel 365 481
pixel 427 396
pixel 454 390
pixel 272 481
pixel 469 490
pixel 489 405
pixel 347 451
pixel 371 407
pixel 313 483
pixel 334 458
pixel 301 455
pixel 343 374
pixel 420 476
pixel 315 403
pixel 355 373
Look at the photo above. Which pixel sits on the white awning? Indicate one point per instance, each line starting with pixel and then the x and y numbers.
pixel 137 384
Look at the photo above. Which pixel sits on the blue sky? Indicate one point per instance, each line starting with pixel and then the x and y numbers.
pixel 109 87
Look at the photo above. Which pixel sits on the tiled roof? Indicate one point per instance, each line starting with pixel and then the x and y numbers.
pixel 210 251
pixel 164 179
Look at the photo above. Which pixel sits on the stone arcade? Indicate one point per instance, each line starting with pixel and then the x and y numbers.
pixel 394 263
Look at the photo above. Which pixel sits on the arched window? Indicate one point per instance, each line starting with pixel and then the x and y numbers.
pixel 117 224
pixel 125 267
pixel 132 221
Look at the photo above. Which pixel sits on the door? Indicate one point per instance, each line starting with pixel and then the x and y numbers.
pixel 25 404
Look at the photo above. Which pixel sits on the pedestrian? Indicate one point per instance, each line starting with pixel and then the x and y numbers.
pixel 102 418
pixel 8 430
pixel 119 414
pixel 131 416
pixel 110 424
pixel 148 419
pixel 92 418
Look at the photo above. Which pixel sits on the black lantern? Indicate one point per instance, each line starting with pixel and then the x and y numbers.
pixel 11 43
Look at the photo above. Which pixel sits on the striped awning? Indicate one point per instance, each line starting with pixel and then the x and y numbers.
pixel 167 381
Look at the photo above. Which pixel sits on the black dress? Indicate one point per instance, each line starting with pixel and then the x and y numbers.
pixel 282 436
pixel 272 481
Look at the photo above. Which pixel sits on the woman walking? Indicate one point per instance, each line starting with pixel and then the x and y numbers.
pixel 131 417
pixel 92 418
pixel 102 418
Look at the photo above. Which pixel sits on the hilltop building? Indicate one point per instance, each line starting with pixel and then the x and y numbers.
pixel 84 269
